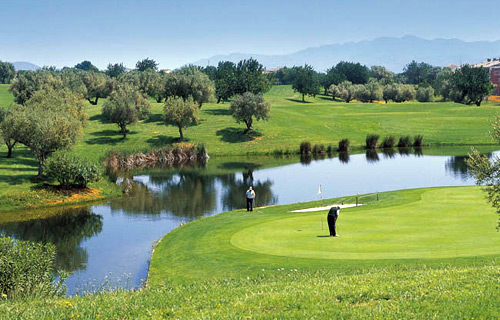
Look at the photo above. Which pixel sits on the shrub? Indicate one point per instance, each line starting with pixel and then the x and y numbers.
pixel 344 145
pixel 305 147
pixel 404 142
pixel 425 94
pixel 388 142
pixel 27 269
pixel 71 171
pixel 318 148
pixel 329 149
pixel 371 141
pixel 418 141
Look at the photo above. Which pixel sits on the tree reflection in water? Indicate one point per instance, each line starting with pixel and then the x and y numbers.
pixel 66 231
pixel 234 191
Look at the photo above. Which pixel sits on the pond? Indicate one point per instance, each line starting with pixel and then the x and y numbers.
pixel 110 244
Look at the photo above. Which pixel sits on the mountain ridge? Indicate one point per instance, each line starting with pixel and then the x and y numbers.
pixel 392 52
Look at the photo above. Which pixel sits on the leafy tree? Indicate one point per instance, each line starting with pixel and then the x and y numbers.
pixel 152 84
pixel 349 71
pixel 115 70
pixel 181 113
pixel 146 64
pixel 210 71
pixel 187 82
pixel 487 172
pixel 425 94
pixel 8 130
pixel 419 72
pixel 405 92
pixel 28 82
pixel 97 85
pixel 383 75
pixel 250 77
pixel 225 80
pixel 248 106
pixel 346 91
pixel 47 123
pixel 374 90
pixel 389 92
pixel 7 72
pixel 472 84
pixel 334 91
pixel 86 66
pixel 305 81
pixel 125 106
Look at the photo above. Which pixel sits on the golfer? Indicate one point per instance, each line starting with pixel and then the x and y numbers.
pixel 333 214
pixel 250 196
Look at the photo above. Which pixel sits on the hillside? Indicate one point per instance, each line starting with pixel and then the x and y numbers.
pixel 393 53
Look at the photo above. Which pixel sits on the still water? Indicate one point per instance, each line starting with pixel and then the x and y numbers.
pixel 111 243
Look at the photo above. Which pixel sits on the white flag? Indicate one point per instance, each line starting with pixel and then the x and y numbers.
pixel 319 189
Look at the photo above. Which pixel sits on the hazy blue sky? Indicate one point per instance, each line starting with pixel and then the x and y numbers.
pixel 64 32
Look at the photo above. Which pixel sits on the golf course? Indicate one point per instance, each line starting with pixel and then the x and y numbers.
pixel 429 253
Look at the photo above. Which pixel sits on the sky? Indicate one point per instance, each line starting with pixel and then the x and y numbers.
pixel 64 32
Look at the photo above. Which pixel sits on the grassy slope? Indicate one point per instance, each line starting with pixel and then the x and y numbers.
pixel 197 273
pixel 319 121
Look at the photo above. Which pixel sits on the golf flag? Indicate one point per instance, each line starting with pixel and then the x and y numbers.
pixel 319 189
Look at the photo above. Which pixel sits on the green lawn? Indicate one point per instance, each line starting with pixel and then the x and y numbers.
pixel 320 120
pixel 420 254
pixel 412 226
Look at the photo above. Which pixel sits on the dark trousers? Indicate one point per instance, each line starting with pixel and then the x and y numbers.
pixel 249 204
pixel 332 219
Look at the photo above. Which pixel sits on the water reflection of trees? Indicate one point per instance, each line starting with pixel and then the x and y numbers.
pixel 234 191
pixel 457 166
pixel 372 156
pixel 66 231
pixel 184 194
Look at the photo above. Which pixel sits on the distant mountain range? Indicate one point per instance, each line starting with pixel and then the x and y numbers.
pixel 23 65
pixel 393 53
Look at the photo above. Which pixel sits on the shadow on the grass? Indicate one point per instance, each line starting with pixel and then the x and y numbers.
pixel 111 137
pixel 298 100
pixel 218 112
pixel 237 135
pixel 163 141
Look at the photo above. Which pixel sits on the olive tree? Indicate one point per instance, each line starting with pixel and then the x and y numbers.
pixel 7 72
pixel 27 83
pixel 8 130
pixel 247 106
pixel 97 85
pixel 49 121
pixel 125 106
pixel 187 82
pixel 181 113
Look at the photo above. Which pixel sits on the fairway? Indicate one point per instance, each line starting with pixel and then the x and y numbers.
pixel 443 224
pixel 409 227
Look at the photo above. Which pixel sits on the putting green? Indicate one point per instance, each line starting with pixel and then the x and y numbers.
pixel 444 223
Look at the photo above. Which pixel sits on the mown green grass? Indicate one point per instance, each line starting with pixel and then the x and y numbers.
pixel 437 225
pixel 198 273
pixel 320 120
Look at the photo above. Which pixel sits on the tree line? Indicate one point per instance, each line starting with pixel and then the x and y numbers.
pixel 49 110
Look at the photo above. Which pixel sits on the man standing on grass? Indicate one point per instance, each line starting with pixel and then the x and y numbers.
pixel 333 214
pixel 250 196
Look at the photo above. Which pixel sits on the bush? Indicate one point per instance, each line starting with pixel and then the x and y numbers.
pixel 371 141
pixel 27 269
pixel 344 145
pixel 329 149
pixel 318 148
pixel 388 142
pixel 404 142
pixel 425 94
pixel 71 171
pixel 418 141
pixel 305 147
